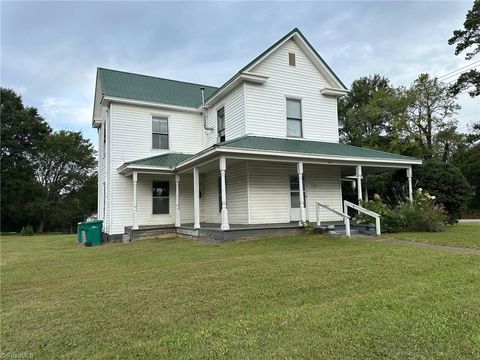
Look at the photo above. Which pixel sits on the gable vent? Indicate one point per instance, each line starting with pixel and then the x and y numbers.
pixel 291 59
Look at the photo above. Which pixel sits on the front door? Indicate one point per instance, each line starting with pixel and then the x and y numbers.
pixel 295 213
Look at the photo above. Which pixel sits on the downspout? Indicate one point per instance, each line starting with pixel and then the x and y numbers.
pixel 205 111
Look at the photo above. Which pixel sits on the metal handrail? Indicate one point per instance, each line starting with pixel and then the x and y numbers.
pixel 347 204
pixel 346 217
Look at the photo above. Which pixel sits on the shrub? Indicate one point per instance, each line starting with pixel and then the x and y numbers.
pixel 27 231
pixel 308 227
pixel 421 215
pixel 447 183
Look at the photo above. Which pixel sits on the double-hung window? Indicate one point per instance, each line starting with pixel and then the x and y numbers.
pixel 221 124
pixel 294 118
pixel 161 197
pixel 159 133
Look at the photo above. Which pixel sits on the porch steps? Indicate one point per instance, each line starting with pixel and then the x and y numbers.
pixel 355 229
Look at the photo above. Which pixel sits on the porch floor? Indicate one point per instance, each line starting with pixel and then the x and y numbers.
pixel 211 232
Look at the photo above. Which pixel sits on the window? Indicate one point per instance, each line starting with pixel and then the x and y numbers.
pixel 161 198
pixel 159 133
pixel 294 118
pixel 295 191
pixel 291 59
pixel 221 124
pixel 104 137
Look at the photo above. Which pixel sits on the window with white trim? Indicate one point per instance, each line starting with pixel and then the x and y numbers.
pixel 294 118
pixel 159 133
pixel 221 125
pixel 161 197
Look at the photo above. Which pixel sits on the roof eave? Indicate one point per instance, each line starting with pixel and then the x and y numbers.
pixel 232 84
pixel 327 91
pixel 284 154
pixel 127 169
pixel 127 101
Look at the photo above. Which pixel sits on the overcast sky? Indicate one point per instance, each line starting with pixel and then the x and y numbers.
pixel 50 50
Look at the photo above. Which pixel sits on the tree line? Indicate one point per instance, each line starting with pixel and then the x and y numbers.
pixel 421 120
pixel 48 178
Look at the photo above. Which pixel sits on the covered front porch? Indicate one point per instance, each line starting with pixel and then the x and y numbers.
pixel 246 193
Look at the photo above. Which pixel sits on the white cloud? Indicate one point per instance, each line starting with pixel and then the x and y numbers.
pixel 66 112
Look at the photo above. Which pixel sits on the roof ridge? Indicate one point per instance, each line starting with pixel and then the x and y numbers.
pixel 155 77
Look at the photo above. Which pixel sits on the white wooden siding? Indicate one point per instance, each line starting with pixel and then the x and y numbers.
pixel 269 196
pixel 130 137
pixel 270 192
pixel 266 104
pixel 132 132
pixel 323 184
pixel 234 104
pixel 236 195
pixel 123 206
pixel 145 200
pixel 236 177
pixel 211 212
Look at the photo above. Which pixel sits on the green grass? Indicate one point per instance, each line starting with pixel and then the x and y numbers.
pixel 461 235
pixel 284 298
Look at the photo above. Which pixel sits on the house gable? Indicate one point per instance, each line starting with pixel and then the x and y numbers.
pixel 266 103
pixel 307 49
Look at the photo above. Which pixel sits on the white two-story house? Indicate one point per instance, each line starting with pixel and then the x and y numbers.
pixel 260 151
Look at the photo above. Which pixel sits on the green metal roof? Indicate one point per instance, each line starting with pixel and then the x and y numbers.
pixel 309 147
pixel 148 88
pixel 279 145
pixel 166 160
pixel 172 92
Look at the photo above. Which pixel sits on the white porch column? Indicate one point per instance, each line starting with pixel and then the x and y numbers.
pixel 410 188
pixel 178 223
pixel 366 188
pixel 359 181
pixel 135 212
pixel 300 189
pixel 223 168
pixel 196 199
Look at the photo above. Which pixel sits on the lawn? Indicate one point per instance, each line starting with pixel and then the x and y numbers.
pixel 461 235
pixel 293 297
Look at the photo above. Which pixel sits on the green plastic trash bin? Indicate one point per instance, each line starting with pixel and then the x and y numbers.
pixel 93 232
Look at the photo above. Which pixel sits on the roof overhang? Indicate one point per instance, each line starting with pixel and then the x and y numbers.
pixel 328 91
pixel 127 169
pixel 232 84
pixel 295 157
pixel 107 99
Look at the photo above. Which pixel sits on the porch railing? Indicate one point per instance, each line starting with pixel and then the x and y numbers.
pixel 345 216
pixel 347 204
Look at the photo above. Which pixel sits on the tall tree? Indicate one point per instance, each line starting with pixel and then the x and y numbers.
pixel 430 110
pixel 468 39
pixel 23 131
pixel 367 112
pixel 64 165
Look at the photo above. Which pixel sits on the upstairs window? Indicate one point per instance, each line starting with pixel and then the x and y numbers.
pixel 294 118
pixel 291 59
pixel 104 137
pixel 159 133
pixel 221 124
pixel 161 197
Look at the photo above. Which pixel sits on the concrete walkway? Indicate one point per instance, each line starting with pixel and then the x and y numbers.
pixel 454 249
